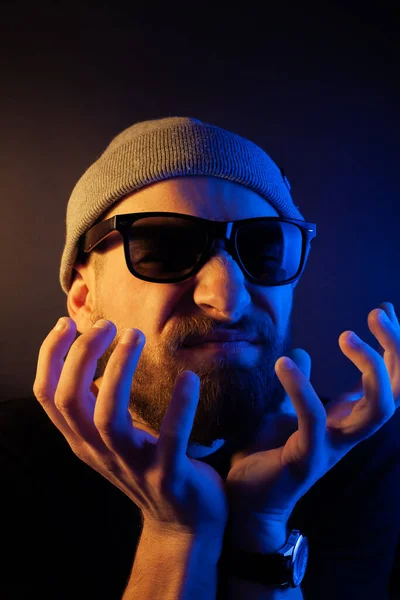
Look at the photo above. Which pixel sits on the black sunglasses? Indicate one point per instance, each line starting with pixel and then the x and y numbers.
pixel 168 247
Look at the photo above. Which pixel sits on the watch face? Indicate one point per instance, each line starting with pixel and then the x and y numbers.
pixel 300 561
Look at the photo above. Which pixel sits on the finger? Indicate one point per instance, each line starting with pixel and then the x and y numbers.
pixel 48 371
pixel 74 398
pixel 309 408
pixel 357 391
pixel 302 360
pixel 178 421
pixel 387 332
pixel 390 311
pixel 111 414
pixel 377 405
pixel 386 329
pixel 342 406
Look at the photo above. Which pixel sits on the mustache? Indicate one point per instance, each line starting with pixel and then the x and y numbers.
pixel 188 327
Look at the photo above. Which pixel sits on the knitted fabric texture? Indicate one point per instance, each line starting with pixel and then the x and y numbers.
pixel 151 151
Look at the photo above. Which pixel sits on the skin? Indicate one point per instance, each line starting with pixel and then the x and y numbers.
pixel 219 296
pixel 181 494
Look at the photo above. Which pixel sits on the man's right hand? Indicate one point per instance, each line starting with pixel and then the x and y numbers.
pixel 176 494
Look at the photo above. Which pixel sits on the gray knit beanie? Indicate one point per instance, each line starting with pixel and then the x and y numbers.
pixel 160 149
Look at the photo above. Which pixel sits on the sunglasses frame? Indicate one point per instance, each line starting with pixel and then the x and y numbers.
pixel 216 230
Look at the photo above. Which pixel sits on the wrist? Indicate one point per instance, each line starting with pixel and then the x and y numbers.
pixel 255 569
pixel 174 564
pixel 169 541
pixel 256 533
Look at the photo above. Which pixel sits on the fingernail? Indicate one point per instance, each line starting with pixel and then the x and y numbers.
pixel 130 336
pixel 102 324
pixel 353 340
pixel 383 317
pixel 60 325
pixel 287 364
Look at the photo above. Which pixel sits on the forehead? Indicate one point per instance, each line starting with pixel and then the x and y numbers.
pixel 207 197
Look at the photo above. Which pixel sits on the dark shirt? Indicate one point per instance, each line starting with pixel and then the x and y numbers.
pixel 68 533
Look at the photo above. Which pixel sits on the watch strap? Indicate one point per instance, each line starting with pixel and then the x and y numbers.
pixel 285 567
pixel 266 569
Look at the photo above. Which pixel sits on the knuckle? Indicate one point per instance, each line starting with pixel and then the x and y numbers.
pixel 64 403
pixel 42 395
pixel 111 433
pixel 110 465
pixel 40 391
pixel 106 427
pixel 78 449
pixel 103 461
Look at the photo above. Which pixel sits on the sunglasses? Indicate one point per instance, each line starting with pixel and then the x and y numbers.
pixel 168 247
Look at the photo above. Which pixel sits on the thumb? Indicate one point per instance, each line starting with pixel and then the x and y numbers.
pixel 302 360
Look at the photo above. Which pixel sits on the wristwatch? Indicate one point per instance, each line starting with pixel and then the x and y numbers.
pixel 285 567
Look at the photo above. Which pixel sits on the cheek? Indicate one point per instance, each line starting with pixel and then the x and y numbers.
pixel 146 306
pixel 276 301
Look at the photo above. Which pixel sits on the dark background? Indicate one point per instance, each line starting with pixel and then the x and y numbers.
pixel 316 87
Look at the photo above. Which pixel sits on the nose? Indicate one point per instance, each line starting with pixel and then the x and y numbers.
pixel 220 286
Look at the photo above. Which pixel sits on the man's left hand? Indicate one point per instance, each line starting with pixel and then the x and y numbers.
pixel 299 445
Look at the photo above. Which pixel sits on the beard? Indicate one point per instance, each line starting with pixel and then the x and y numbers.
pixel 234 397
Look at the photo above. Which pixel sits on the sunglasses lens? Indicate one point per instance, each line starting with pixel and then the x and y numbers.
pixel 168 248
pixel 165 248
pixel 270 252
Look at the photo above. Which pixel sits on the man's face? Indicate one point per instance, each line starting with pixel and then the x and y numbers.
pixel 238 386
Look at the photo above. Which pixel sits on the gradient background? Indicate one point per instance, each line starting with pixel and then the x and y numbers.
pixel 318 89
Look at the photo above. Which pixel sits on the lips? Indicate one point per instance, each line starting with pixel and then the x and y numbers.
pixel 221 337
